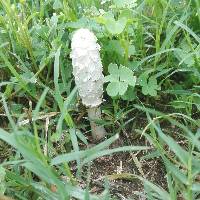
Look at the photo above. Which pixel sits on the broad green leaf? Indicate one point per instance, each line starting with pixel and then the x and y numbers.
pixel 153 92
pixel 116 88
pixel 114 46
pixel 113 69
pixel 149 85
pixel 111 78
pixel 142 79
pixel 120 78
pixel 122 87
pixel 126 75
pixel 114 73
pixel 57 4
pixel 153 81
pixel 115 27
pixel 145 90
pixel 112 89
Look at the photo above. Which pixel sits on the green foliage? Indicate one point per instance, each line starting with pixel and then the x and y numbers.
pixel 115 27
pixel 149 84
pixel 2 178
pixel 40 115
pixel 119 79
pixel 125 3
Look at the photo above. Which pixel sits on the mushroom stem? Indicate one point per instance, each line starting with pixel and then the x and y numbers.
pixel 98 131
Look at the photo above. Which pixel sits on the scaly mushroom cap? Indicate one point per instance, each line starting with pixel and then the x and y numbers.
pixel 87 67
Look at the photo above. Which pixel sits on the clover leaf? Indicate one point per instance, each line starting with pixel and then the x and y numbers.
pixel 120 78
pixel 149 84
pixel 116 88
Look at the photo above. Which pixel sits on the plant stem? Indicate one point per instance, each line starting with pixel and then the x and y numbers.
pixel 98 131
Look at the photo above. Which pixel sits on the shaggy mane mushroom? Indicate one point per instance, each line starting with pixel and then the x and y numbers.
pixel 87 70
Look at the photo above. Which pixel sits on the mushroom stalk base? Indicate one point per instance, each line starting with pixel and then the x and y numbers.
pixel 98 131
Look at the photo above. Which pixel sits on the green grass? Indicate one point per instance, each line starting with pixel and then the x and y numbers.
pixel 41 115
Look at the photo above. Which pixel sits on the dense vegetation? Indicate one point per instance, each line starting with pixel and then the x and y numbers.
pixel 150 50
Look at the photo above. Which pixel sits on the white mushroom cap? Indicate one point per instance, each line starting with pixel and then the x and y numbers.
pixel 87 67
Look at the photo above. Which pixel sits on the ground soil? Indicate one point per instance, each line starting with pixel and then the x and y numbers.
pixel 123 187
pixel 123 163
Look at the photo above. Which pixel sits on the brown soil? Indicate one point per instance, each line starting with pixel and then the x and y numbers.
pixel 119 167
